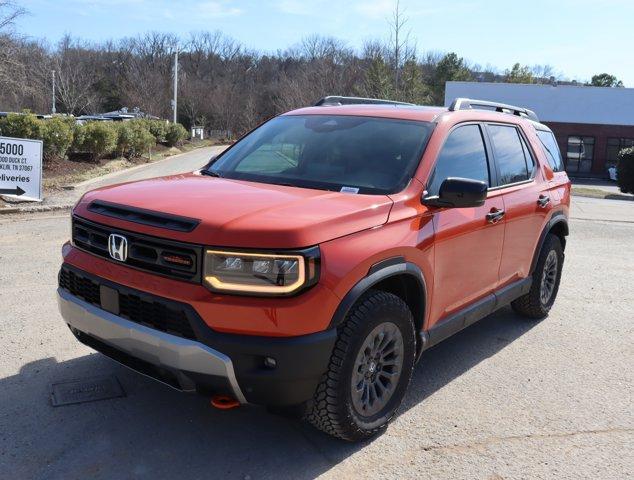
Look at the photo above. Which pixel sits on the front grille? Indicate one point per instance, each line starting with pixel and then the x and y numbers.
pixel 166 257
pixel 143 309
pixel 155 315
pixel 81 287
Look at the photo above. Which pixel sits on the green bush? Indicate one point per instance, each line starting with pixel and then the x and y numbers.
pixel 134 138
pixel 21 125
pixel 57 134
pixel 78 137
pixel 176 134
pixel 158 129
pixel 97 139
pixel 625 170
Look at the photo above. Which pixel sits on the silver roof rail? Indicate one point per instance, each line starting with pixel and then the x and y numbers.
pixel 335 100
pixel 468 103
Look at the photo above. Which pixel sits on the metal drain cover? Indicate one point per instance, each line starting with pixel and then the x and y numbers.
pixel 86 390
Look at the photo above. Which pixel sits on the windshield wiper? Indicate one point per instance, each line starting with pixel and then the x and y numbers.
pixel 210 173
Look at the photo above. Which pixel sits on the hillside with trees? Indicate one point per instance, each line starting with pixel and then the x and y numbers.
pixel 223 84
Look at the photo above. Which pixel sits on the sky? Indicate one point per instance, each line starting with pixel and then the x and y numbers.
pixel 579 38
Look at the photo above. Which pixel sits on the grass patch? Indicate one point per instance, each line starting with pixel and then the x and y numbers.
pixel 598 193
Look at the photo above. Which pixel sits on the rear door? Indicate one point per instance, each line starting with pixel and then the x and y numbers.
pixel 468 241
pixel 526 199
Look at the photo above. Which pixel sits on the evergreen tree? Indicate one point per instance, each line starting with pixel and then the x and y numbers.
pixel 449 68
pixel 519 74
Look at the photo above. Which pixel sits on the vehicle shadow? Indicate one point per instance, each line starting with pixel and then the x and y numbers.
pixel 155 432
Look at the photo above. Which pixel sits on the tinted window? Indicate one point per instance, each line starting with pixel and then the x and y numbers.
pixel 553 155
pixel 463 155
pixel 580 154
pixel 330 152
pixel 509 154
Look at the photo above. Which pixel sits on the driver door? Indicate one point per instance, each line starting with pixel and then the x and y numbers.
pixel 468 241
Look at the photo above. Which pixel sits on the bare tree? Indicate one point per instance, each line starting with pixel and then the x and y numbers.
pixel 401 49
pixel 543 73
pixel 222 84
pixel 74 66
pixel 9 13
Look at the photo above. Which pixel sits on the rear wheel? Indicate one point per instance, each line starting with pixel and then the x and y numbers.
pixel 539 300
pixel 369 370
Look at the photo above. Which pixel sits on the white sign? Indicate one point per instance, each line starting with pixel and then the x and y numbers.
pixel 21 168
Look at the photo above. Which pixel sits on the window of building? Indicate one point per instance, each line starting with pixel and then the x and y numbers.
pixel 580 154
pixel 463 155
pixel 510 154
pixel 553 155
pixel 615 145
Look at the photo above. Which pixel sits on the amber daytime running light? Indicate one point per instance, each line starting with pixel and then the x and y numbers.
pixel 261 273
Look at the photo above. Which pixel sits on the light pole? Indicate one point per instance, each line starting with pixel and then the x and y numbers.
pixel 53 110
pixel 175 100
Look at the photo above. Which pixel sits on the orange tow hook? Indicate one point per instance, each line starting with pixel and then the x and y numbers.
pixel 224 402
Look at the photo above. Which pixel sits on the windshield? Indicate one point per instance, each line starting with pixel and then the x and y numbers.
pixel 329 152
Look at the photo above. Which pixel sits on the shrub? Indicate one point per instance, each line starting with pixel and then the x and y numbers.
pixel 96 139
pixel 21 125
pixel 134 138
pixel 158 129
pixel 78 137
pixel 625 170
pixel 176 134
pixel 57 134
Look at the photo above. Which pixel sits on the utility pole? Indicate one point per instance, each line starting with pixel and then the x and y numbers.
pixel 175 100
pixel 53 110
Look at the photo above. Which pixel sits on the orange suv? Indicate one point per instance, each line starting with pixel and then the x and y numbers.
pixel 309 265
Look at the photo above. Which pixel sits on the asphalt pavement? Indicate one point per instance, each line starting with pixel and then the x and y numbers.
pixel 504 399
pixel 181 163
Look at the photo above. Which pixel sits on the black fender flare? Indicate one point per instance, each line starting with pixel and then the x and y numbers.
pixel 558 217
pixel 378 272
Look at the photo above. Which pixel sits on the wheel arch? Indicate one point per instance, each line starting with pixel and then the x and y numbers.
pixel 558 226
pixel 394 275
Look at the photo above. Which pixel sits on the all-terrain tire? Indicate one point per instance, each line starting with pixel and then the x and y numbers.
pixel 333 410
pixel 533 304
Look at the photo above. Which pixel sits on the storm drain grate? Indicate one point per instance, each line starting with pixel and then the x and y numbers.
pixel 86 390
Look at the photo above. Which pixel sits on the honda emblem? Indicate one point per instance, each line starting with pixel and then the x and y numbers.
pixel 118 247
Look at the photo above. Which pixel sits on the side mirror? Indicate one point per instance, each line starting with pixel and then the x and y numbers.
pixel 459 193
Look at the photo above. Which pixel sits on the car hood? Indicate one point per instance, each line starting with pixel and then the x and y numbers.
pixel 235 213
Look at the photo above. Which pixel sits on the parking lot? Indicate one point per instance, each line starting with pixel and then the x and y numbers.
pixel 503 399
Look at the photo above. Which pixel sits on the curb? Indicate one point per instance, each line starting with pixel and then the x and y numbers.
pixel 36 209
pixel 607 196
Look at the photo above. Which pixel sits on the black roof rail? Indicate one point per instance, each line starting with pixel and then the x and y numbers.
pixel 334 100
pixel 467 103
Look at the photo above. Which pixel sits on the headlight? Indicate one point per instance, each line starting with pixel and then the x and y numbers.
pixel 261 273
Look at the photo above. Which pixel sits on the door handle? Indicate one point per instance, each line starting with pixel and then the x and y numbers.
pixel 543 200
pixel 495 215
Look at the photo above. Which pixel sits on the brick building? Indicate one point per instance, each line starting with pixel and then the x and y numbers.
pixel 592 124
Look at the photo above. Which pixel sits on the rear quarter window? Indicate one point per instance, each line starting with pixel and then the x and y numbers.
pixel 551 149
pixel 513 160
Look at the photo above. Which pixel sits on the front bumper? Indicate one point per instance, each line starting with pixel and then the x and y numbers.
pixel 165 357
pixel 213 362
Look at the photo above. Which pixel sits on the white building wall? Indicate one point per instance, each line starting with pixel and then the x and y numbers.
pixel 563 103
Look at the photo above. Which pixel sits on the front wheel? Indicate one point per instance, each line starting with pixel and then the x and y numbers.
pixel 539 300
pixel 369 370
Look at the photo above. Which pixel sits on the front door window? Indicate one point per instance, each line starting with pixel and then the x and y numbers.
pixel 580 154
